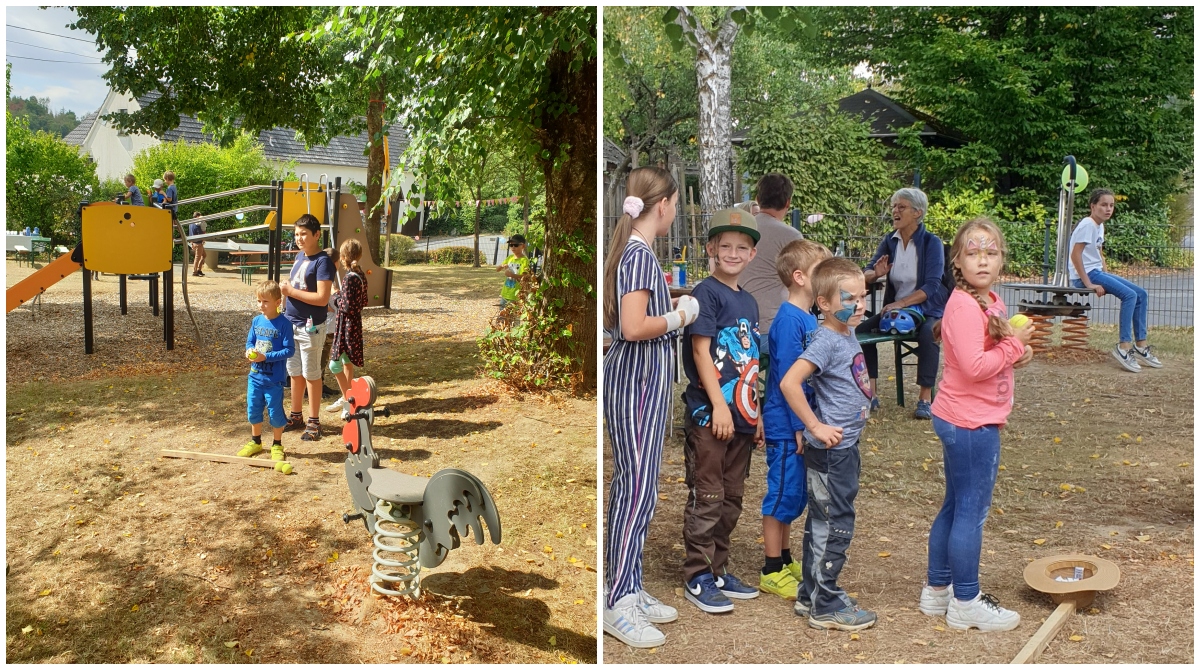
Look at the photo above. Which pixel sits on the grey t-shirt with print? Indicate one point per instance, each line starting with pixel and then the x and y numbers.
pixel 841 384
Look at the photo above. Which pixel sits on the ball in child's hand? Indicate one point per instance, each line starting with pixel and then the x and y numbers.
pixel 1019 320
pixel 252 354
pixel 284 467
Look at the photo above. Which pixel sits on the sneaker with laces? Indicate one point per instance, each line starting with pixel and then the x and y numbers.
pixel 627 622
pixel 983 612
pixel 1146 357
pixel 934 602
pixel 277 452
pixel 733 587
pixel 924 410
pixel 847 619
pixel 336 405
pixel 802 607
pixel 702 592
pixel 250 449
pixel 656 610
pixel 1125 358
pixel 782 584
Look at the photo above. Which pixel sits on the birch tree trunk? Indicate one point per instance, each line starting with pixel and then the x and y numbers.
pixel 714 63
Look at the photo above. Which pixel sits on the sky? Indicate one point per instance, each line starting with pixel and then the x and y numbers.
pixel 75 85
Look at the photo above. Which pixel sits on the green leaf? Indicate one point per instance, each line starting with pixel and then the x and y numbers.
pixel 675 32
pixel 670 15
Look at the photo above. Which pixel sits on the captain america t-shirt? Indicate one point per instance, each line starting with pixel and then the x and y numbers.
pixel 730 318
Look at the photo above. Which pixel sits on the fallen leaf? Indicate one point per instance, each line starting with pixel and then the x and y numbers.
pixel 1040 541
pixel 134 608
pixel 45 593
pixel 579 601
pixel 1058 524
pixel 232 644
pixel 553 640
pixel 884 554
pixel 923 643
pixel 1143 538
pixel 203 502
pixel 853 636
pixel 1058 440
pixel 1076 638
pixel 1105 546
pixel 26 630
pixel 663 496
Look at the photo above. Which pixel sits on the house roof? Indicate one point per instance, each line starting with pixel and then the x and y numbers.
pixel 885 115
pixel 281 143
pixel 614 155
pixel 79 134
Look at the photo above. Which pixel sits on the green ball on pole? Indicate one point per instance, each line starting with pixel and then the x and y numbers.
pixel 1081 177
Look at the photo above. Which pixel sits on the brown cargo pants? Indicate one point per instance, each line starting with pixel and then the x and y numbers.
pixel 716 473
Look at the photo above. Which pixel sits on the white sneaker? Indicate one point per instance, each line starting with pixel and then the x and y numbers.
pixel 627 622
pixel 984 613
pixel 1146 357
pixel 934 602
pixel 656 610
pixel 1125 358
pixel 340 403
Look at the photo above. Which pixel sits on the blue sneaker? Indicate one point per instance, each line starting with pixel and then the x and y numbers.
pixel 733 587
pixel 924 410
pixel 702 591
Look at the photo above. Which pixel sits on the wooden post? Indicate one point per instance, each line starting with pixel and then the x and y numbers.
pixel 219 458
pixel 1037 644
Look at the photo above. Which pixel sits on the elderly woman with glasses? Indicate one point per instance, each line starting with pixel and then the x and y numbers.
pixel 913 260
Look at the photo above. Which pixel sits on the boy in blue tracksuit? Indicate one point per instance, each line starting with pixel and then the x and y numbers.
pixel 786 495
pixel 269 345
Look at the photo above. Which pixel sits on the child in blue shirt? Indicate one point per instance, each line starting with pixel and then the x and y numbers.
pixel 133 195
pixel 786 495
pixel 269 345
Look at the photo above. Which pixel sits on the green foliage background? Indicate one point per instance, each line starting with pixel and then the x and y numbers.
pixel 45 180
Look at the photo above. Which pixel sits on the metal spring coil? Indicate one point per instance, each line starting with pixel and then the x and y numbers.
pixel 1075 332
pixel 1042 324
pixel 397 540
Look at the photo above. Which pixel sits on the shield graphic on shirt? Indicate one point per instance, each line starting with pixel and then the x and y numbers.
pixel 745 392
pixel 861 377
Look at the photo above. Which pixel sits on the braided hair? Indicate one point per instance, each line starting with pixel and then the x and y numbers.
pixel 997 327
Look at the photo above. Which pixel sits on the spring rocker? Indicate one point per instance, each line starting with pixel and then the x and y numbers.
pixel 414 521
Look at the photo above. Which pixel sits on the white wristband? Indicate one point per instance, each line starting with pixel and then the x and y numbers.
pixel 674 321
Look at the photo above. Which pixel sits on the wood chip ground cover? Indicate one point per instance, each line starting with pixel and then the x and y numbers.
pixel 117 555
pixel 1093 459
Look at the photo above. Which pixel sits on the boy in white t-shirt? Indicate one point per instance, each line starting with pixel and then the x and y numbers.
pixel 1086 270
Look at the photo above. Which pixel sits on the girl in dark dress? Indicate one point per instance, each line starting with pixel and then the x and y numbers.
pixel 347 350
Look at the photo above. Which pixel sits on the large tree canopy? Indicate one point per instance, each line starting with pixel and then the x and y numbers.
pixel 1110 85
pixel 532 71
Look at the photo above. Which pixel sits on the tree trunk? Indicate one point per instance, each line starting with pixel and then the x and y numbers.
pixel 713 69
pixel 570 270
pixel 375 167
pixel 478 208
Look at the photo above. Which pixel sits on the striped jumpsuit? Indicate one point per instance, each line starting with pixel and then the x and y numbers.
pixel 637 390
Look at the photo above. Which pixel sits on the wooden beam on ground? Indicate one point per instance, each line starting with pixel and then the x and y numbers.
pixel 220 458
pixel 1037 644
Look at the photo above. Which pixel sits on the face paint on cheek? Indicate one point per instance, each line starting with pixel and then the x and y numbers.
pixel 849 307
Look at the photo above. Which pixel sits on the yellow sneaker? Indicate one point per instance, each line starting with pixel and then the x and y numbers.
pixel 277 452
pixel 781 583
pixel 250 449
pixel 796 569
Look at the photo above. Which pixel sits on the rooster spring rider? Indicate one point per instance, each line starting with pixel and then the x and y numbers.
pixel 414 521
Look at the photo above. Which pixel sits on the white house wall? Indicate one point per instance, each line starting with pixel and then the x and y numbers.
pixel 114 153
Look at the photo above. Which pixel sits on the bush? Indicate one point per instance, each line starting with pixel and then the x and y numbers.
pixel 400 247
pixel 454 256
pixel 46 179
pixel 417 256
pixel 519 347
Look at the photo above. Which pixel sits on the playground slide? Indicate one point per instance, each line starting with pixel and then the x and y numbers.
pixel 36 283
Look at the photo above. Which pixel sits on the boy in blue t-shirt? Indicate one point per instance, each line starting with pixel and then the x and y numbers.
pixel 307 289
pixel 133 195
pixel 720 358
pixel 783 431
pixel 269 345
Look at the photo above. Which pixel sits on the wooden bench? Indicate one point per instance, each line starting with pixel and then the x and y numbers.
pixel 246 270
pixel 21 249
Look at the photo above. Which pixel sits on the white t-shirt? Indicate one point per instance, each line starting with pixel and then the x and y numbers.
pixel 1090 233
pixel 903 274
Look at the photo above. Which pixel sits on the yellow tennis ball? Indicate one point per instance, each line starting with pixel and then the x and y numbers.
pixel 1019 320
pixel 251 354
pixel 284 467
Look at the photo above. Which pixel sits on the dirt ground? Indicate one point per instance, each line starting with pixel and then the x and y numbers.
pixel 1094 460
pixel 117 555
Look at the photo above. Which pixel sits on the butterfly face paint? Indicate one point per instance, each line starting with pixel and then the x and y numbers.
pixel 849 306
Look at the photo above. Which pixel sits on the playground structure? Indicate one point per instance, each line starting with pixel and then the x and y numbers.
pixel 1056 293
pixel 414 521
pixel 137 242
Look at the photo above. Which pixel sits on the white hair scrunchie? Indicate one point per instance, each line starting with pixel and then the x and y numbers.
pixel 633 206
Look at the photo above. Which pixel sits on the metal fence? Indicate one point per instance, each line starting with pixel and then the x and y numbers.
pixel 1167 274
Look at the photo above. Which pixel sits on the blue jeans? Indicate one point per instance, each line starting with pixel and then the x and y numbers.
pixel 972 459
pixel 1134 302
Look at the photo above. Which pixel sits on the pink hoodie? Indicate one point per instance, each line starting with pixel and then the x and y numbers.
pixel 977 380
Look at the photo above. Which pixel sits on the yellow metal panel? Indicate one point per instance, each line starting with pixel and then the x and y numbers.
pixel 122 239
pixel 299 201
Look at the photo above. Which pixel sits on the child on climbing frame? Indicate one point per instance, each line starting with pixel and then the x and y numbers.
pixel 269 345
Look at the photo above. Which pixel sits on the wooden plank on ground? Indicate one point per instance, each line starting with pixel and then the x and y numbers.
pixel 220 458
pixel 1037 644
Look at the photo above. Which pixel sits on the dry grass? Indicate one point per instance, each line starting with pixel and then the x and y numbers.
pixel 117 555
pixel 1124 442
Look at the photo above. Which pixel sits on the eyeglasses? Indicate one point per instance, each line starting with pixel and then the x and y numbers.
pixel 515 244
